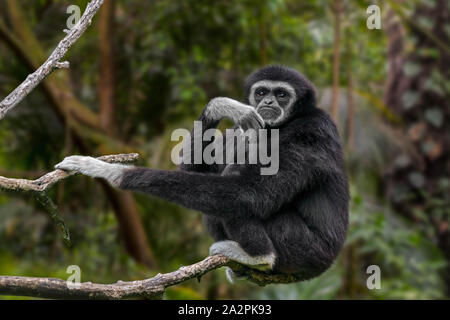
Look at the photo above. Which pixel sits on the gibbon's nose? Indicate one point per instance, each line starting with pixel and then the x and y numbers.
pixel 268 102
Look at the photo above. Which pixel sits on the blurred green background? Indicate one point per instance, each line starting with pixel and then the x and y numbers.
pixel 144 68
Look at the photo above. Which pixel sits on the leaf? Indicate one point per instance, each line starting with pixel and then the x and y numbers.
pixel 416 131
pixel 432 149
pixel 429 52
pixel 444 183
pixel 402 161
pixel 435 117
pixel 434 83
pixel 409 99
pixel 429 3
pixel 411 69
pixel 447 29
pixel 425 23
pixel 416 179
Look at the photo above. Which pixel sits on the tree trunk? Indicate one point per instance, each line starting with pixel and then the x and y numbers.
pixel 123 203
pixel 337 9
pixel 107 79
pixel 350 121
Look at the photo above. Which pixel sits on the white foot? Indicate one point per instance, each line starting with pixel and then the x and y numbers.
pixel 233 251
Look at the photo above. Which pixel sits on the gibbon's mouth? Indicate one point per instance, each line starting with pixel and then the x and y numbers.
pixel 269 113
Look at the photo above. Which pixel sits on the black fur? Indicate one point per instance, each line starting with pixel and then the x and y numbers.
pixel 301 213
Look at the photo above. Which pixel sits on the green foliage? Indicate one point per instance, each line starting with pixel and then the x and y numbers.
pixel 171 58
pixel 325 287
pixel 410 263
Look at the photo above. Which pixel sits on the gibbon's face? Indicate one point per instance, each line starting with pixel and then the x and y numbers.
pixel 273 100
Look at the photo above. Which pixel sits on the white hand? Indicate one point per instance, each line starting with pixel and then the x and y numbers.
pixel 93 168
pixel 242 115
pixel 85 165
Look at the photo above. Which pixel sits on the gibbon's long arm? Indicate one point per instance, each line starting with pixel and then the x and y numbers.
pixel 248 193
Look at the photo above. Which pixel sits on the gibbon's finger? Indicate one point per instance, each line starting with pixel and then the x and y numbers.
pixel 252 122
pixel 260 120
pixel 245 125
pixel 65 165
pixel 243 122
pixel 256 124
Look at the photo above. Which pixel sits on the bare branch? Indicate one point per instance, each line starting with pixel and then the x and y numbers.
pixel 152 288
pixel 52 62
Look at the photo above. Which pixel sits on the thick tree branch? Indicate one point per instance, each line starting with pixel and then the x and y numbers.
pixel 151 288
pixel 52 62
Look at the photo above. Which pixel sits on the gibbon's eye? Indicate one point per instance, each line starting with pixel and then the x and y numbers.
pixel 282 94
pixel 261 92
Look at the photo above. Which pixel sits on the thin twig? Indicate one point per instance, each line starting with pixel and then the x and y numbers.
pixel 52 209
pixel 52 62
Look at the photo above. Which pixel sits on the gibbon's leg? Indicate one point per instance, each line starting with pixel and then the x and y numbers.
pixel 249 244
pixel 215 228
